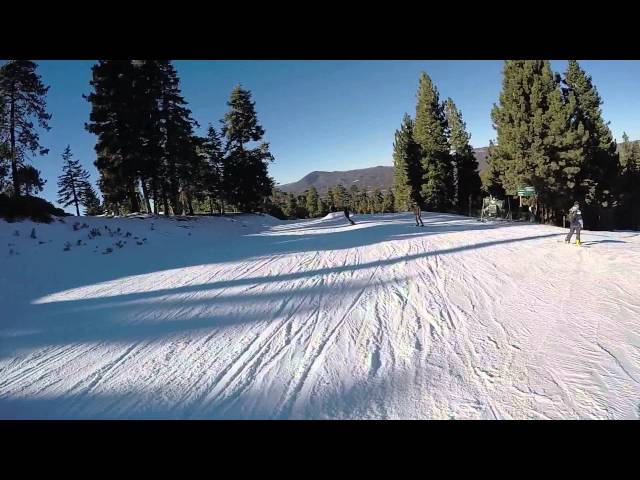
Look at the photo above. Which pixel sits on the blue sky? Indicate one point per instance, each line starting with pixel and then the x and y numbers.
pixel 322 115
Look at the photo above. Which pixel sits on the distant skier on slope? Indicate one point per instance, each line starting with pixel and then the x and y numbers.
pixel 575 223
pixel 418 214
pixel 346 215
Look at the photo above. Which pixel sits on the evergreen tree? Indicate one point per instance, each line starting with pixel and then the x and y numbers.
pixel 73 183
pixel 599 167
pixel 321 208
pixel 246 179
pixel 30 179
pixel 112 119
pixel 340 197
pixel 301 209
pixel 466 166
pixel 490 176
pixel 353 197
pixel 312 202
pixel 407 171
pixel 90 201
pixel 537 144
pixel 388 202
pixel 22 100
pixel 628 211
pixel 331 199
pixel 214 157
pixel 430 133
pixel 362 203
pixel 626 149
pixel 181 158
pixel 291 206
pixel 144 135
pixel 376 200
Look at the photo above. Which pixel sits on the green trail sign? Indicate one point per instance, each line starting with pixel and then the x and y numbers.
pixel 526 191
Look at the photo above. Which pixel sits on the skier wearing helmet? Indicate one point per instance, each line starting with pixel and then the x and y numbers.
pixel 575 223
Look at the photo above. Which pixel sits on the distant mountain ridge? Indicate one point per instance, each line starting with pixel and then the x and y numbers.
pixel 368 178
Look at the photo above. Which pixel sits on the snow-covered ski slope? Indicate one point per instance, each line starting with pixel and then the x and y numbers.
pixel 251 317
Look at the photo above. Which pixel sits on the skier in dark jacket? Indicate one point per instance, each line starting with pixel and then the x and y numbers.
pixel 575 223
pixel 346 215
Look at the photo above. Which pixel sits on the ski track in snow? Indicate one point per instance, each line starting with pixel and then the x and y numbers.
pixel 251 317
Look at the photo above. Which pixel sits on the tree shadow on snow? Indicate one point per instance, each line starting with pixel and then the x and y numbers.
pixel 152 315
pixel 288 239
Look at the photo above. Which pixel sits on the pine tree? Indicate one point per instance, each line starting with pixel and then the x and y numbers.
pixel 340 197
pixel 321 208
pixel 625 151
pixel 466 166
pixel 537 143
pixel 376 200
pixel 312 202
pixel 246 178
pixel 214 155
pixel 181 158
pixel 291 206
pixel 597 176
pixel 363 202
pixel 407 171
pixel 430 133
pixel 73 183
pixel 30 179
pixel 113 120
pixel 388 202
pixel 22 99
pixel 628 211
pixel 301 209
pixel 90 201
pixel 331 199
pixel 353 194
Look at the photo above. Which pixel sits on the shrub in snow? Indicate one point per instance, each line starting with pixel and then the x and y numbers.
pixel 94 232
pixel 33 233
pixel 67 246
pixel 79 243
pixel 108 250
pixel 76 226
pixel 16 233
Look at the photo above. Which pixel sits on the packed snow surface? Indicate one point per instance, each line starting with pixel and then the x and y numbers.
pixel 251 317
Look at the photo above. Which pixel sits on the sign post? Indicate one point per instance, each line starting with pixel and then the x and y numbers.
pixel 525 191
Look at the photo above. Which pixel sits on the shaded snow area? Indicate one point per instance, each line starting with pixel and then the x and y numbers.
pixel 252 317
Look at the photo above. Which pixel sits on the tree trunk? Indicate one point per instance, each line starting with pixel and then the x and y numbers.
pixel 211 204
pixel 175 203
pixel 165 201
pixel 14 163
pixel 154 192
pixel 75 198
pixel 145 193
pixel 189 204
pixel 135 206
